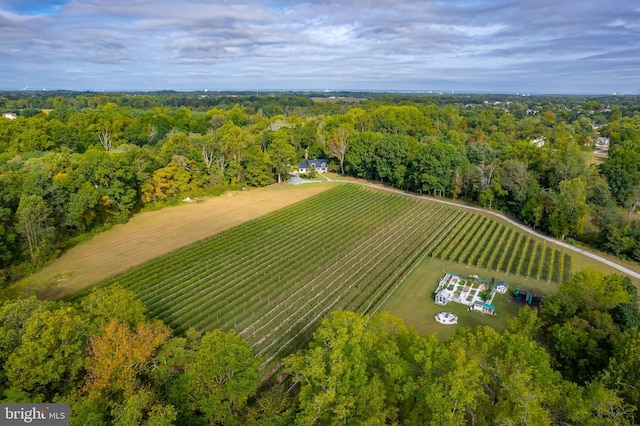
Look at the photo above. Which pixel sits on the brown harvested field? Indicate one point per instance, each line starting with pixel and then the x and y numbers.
pixel 155 233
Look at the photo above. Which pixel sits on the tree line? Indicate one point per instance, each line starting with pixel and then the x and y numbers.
pixel 576 361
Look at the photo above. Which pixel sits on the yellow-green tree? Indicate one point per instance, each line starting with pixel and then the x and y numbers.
pixel 49 361
pixel 119 355
pixel 222 377
pixel 114 302
pixel 336 384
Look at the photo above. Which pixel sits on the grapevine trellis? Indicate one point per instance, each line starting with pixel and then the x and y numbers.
pixel 273 279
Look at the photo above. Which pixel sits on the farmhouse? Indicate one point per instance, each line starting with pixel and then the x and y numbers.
pixel 320 166
pixel 10 115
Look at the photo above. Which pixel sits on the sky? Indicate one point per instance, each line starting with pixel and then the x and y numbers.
pixel 494 46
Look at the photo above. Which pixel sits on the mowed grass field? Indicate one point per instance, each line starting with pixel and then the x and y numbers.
pixel 413 301
pixel 155 233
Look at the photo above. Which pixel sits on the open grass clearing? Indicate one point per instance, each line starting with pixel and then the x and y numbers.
pixel 413 300
pixel 155 233
pixel 598 156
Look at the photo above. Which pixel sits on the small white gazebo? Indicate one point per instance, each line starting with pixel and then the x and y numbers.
pixel 501 287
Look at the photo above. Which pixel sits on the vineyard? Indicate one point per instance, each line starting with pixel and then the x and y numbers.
pixel 272 279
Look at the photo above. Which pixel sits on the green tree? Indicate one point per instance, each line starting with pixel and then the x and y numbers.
pixel 168 375
pixel 566 159
pixel 588 290
pixel 13 318
pixel 517 180
pixel 177 144
pixel 434 166
pixel 143 408
pixel 335 386
pixel 114 302
pixel 32 223
pixel 359 157
pixel 281 153
pixel 82 213
pixel 582 345
pixel 273 407
pixel 568 210
pixel 49 363
pixel 257 167
pixel 627 315
pixel 224 374
pixel 450 388
pixel 391 152
pixel 606 407
pixel 8 241
pixel 533 210
pixel 235 141
pixel 623 372
pixel 338 143
pixel 237 116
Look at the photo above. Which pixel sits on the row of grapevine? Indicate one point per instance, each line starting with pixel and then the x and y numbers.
pixel 267 271
pixel 274 278
pixel 486 243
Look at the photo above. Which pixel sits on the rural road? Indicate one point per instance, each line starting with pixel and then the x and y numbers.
pixel 519 225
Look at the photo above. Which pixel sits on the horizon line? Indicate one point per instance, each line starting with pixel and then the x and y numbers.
pixel 328 91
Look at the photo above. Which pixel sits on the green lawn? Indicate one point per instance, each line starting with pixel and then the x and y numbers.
pixel 413 300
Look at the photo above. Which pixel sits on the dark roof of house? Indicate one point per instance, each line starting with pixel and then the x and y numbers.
pixel 313 163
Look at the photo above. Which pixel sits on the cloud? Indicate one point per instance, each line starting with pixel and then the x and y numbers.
pixel 342 44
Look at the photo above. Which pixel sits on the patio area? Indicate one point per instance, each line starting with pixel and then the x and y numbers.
pixel 446 318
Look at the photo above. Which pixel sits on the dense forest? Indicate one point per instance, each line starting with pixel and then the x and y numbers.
pixel 72 164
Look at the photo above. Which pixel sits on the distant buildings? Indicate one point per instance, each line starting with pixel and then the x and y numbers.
pixel 9 115
pixel 539 141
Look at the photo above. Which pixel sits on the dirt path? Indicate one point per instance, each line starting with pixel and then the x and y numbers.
pixel 152 234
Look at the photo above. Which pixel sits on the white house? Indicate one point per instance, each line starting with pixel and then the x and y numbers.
pixel 501 287
pixel 10 115
pixel 320 166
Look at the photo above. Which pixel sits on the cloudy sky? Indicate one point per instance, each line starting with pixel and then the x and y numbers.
pixel 526 46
